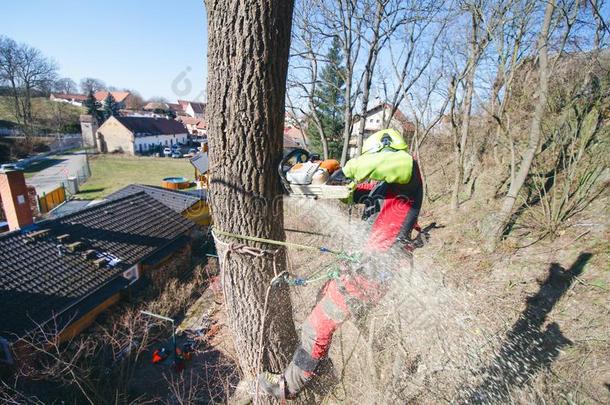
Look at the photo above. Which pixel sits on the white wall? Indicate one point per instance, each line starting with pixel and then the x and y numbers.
pixel 164 140
pixel 374 122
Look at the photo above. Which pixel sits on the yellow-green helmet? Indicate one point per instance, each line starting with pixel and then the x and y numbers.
pixel 389 138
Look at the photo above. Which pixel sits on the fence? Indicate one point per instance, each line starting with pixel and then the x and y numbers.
pixel 82 173
pixel 50 200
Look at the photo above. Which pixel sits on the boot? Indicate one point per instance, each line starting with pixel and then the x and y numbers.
pixel 284 386
pixel 272 385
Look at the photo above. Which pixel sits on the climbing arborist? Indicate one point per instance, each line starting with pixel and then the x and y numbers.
pixel 386 179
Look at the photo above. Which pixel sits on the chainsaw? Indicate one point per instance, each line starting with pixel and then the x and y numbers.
pixel 304 174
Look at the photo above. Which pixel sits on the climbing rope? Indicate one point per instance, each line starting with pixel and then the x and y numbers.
pixel 339 253
pixel 285 277
pixel 231 248
pixel 332 272
pixel 295 281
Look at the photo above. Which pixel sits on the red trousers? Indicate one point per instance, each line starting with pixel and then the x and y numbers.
pixel 339 299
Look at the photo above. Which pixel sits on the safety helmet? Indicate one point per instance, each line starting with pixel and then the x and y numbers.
pixel 386 138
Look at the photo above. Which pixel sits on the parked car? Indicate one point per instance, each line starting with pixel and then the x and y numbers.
pixel 177 154
pixel 192 151
pixel 11 166
pixel 167 151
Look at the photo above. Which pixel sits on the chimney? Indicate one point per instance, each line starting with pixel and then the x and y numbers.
pixel 14 195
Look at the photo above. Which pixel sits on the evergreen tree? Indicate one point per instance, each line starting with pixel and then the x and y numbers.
pixel 93 107
pixel 111 107
pixel 330 102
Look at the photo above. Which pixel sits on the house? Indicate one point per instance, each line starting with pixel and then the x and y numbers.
pixel 176 108
pixel 195 126
pixel 191 206
pixel 294 138
pixel 88 128
pixel 193 108
pixel 374 119
pixel 120 97
pixel 74 99
pixel 152 106
pixel 139 134
pixel 60 274
pixel 163 109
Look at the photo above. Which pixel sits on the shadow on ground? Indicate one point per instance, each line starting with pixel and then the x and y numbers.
pixel 528 347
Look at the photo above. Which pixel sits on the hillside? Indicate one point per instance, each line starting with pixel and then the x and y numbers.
pixel 49 116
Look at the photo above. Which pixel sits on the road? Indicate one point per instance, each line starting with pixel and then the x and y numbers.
pixel 68 165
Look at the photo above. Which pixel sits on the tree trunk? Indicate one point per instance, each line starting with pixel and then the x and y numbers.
pixel 362 122
pixel 323 139
pixel 460 147
pixel 347 119
pixel 312 107
pixel 518 180
pixel 248 43
pixel 369 69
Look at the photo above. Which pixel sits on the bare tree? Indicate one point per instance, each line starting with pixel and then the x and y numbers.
pixel 420 26
pixel 65 85
pixel 135 101
pixel 25 71
pixel 601 26
pixel 478 40
pixel 248 49
pixel 375 42
pixel 89 84
pixel 503 216
pixel 304 77
pixel 426 114
pixel 341 19
pixel 510 40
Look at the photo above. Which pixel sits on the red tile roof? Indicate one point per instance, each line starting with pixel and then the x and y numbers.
pixel 198 108
pixel 293 138
pixel 186 120
pixel 119 96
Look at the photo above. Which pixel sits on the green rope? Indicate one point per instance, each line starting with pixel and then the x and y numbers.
pixel 340 254
pixel 300 282
pixel 335 273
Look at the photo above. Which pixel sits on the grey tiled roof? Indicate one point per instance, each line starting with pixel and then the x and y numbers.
pixel 179 201
pixel 40 277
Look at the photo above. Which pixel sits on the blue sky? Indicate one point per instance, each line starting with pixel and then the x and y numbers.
pixel 156 47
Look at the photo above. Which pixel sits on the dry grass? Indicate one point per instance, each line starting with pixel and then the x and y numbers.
pixel 511 326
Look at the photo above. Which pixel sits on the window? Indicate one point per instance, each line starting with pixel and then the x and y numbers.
pixel 132 274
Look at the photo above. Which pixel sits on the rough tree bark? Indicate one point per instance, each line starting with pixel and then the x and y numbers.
pixel 248 43
pixel 518 180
